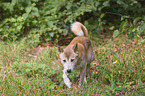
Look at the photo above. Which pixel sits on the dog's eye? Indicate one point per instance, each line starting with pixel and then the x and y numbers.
pixel 72 60
pixel 64 60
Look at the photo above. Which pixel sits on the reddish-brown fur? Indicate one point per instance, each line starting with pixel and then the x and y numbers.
pixel 81 51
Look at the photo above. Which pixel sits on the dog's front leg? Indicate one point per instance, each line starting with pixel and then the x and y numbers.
pixel 66 79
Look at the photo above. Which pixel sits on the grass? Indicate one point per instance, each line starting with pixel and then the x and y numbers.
pixel 118 69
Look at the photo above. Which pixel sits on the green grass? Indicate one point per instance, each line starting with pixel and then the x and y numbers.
pixel 118 69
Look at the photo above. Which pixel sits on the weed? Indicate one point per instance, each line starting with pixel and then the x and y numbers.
pixel 118 69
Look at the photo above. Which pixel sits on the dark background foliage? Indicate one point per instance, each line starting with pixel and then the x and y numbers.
pixel 43 21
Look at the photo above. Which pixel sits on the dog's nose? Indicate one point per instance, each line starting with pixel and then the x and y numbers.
pixel 68 70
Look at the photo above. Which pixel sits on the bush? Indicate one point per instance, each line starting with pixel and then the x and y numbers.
pixel 132 28
pixel 41 20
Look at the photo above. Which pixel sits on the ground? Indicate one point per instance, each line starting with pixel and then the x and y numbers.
pixel 118 69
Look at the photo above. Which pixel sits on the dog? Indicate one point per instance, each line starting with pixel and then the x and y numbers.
pixel 77 55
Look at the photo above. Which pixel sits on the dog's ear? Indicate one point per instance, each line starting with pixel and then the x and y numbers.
pixel 60 50
pixel 75 48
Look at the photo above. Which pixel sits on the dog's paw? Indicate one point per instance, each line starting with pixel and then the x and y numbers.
pixel 69 85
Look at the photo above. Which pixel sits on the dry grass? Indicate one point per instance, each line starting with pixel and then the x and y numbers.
pixel 118 69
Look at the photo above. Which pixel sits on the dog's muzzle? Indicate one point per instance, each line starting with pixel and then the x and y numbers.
pixel 69 71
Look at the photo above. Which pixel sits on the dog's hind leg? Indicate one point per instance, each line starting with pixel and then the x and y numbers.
pixel 90 58
pixel 66 79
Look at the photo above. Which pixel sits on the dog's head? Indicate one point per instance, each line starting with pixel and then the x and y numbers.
pixel 69 57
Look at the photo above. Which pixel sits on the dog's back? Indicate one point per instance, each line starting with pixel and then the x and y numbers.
pixel 82 40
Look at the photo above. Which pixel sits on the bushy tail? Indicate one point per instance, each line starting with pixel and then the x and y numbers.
pixel 79 29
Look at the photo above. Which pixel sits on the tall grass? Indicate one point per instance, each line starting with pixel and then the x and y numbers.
pixel 118 69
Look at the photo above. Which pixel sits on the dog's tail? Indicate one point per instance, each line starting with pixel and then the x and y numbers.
pixel 79 29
